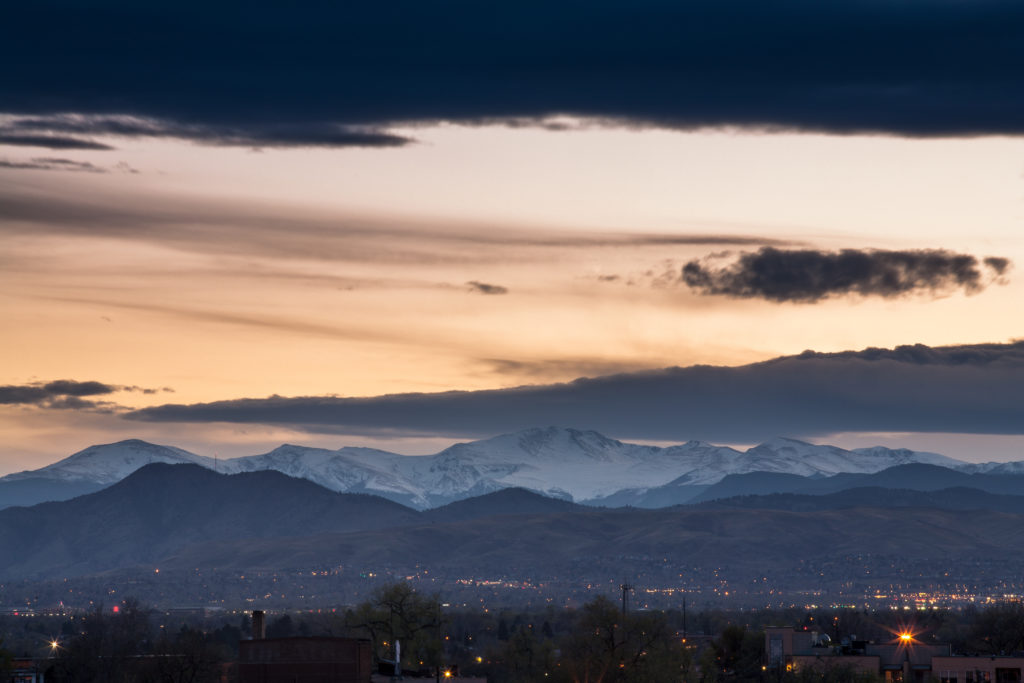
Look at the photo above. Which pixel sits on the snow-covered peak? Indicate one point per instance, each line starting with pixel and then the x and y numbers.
pixel 112 462
pixel 550 443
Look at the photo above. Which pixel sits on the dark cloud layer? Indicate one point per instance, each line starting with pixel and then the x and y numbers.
pixel 807 275
pixel 60 394
pixel 66 394
pixel 975 389
pixel 50 131
pixel 49 141
pixel 916 67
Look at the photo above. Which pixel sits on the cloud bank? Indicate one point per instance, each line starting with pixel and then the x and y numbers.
pixel 65 394
pixel 975 389
pixel 808 275
pixel 913 68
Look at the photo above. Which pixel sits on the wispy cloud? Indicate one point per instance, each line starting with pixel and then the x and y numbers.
pixel 561 368
pixel 205 226
pixel 254 322
pixel 52 164
pixel 808 275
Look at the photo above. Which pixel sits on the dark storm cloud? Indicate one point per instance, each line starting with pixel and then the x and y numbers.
pixel 251 135
pixel 969 389
pixel 52 164
pixel 49 141
pixel 808 275
pixel 916 68
pixel 484 288
pixel 65 394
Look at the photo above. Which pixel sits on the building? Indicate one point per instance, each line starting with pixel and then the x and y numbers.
pixel 974 669
pixel 304 660
pixel 25 670
pixel 901 661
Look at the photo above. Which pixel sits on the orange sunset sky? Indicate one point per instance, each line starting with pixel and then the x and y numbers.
pixel 475 253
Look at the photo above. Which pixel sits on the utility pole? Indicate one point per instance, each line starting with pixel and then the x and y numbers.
pixel 684 618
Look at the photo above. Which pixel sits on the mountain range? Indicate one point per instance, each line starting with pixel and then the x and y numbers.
pixel 186 516
pixel 580 466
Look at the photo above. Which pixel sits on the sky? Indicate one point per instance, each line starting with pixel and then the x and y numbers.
pixel 408 225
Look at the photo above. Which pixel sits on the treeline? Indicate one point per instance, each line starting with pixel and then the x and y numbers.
pixel 596 642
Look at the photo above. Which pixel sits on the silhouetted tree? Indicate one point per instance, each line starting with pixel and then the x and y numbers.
pixel 190 657
pixel 105 646
pixel 606 645
pixel 738 654
pixel 282 627
pixel 523 658
pixel 396 611
pixel 999 629
pixel 6 661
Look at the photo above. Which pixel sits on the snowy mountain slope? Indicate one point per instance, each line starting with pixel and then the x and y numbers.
pixel 808 460
pixel 564 463
pixel 108 463
pixel 994 468
pixel 87 471
pixel 349 470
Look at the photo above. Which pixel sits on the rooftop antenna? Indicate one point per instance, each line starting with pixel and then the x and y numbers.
pixel 626 587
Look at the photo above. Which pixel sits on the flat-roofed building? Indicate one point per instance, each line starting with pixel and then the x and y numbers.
pixel 899 662
pixel 976 669
pixel 304 660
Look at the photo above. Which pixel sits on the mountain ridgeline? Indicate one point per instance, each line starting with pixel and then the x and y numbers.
pixel 186 516
pixel 579 466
